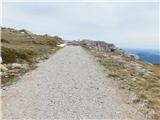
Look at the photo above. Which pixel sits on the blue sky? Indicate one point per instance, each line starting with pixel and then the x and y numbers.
pixel 126 24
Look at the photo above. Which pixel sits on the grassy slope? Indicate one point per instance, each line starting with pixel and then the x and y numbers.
pixel 136 76
pixel 17 47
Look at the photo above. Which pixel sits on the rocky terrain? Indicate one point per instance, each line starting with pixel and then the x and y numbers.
pixel 130 74
pixel 70 85
pixel 21 50
pixel 102 46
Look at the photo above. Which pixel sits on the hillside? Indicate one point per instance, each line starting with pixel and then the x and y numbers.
pixel 130 74
pixel 22 49
pixel 70 85
pixel 72 75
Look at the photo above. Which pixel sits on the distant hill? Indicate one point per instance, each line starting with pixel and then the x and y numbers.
pixel 152 56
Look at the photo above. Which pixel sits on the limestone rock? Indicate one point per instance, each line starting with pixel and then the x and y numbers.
pixel 0 59
pixel 3 68
pixel 25 31
pixel 102 46
pixel 16 65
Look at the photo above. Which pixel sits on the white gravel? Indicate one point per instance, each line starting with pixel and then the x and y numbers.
pixel 69 85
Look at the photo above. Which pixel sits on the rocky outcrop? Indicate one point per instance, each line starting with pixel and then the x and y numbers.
pixel 12 70
pixel 102 46
pixel 8 29
pixel 58 39
pixel 25 31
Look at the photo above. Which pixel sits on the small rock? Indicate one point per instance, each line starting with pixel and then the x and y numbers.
pixel 6 76
pixel 16 65
pixel 14 71
pixel 0 59
pixel 3 68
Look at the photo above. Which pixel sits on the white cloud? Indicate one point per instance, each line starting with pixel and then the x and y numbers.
pixel 125 24
pixel 80 1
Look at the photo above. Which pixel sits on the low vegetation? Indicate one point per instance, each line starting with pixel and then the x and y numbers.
pixel 24 48
pixel 135 76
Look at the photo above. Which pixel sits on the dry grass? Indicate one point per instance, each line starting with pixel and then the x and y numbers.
pixel 146 84
pixel 18 47
pixel 25 48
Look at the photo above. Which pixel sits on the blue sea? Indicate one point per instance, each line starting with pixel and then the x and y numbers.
pixel 152 56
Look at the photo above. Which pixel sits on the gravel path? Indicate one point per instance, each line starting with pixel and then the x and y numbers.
pixel 69 85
